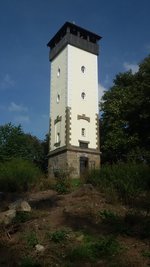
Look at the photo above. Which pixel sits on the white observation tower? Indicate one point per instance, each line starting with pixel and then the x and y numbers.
pixel 74 121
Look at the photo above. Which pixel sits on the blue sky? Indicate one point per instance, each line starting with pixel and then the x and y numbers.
pixel 26 26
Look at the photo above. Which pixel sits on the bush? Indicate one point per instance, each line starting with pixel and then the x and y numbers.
pixel 105 247
pixel 81 252
pixel 18 175
pixel 62 186
pixel 31 239
pixel 58 236
pixel 114 222
pixel 128 180
pixel 21 217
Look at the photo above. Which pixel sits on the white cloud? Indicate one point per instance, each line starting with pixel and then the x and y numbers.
pixel 129 66
pixel 7 82
pixel 21 119
pixel 17 108
pixel 101 90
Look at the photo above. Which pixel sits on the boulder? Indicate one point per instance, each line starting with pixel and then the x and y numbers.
pixel 20 205
pixel 39 248
pixel 6 217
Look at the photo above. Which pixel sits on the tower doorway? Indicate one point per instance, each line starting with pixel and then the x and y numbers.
pixel 84 165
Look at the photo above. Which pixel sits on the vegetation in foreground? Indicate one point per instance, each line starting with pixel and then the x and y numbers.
pixel 124 181
pixel 87 225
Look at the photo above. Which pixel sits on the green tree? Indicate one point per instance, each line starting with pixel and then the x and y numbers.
pixel 14 143
pixel 125 127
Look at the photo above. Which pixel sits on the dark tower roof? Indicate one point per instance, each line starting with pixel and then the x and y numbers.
pixel 74 35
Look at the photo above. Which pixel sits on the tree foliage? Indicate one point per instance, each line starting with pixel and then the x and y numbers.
pixel 14 143
pixel 125 120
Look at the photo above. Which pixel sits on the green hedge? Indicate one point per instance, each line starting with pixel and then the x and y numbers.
pixel 18 175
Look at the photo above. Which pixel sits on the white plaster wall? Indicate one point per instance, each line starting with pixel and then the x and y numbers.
pixel 58 86
pixel 79 82
pixel 69 85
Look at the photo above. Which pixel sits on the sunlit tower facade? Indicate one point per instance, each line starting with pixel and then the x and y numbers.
pixel 74 120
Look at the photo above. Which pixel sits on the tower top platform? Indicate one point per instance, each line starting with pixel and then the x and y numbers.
pixel 74 35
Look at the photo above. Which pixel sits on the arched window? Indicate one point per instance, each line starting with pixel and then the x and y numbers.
pixel 58 72
pixel 83 95
pixel 83 69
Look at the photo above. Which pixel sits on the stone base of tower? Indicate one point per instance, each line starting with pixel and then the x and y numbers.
pixel 75 161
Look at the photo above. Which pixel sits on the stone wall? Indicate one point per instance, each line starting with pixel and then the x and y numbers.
pixel 70 160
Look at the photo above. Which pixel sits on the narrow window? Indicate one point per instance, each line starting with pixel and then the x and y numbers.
pixel 58 98
pixel 58 72
pixel 83 95
pixel 83 131
pixel 83 69
pixel 58 138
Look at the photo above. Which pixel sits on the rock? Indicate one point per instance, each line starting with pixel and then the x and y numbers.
pixel 20 205
pixel 39 248
pixel 6 217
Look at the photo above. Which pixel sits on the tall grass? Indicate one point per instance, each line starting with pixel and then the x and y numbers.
pixel 18 175
pixel 127 180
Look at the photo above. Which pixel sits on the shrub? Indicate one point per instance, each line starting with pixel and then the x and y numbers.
pixel 22 216
pixel 128 180
pixel 62 186
pixel 58 236
pixel 105 247
pixel 75 183
pixel 108 215
pixel 18 175
pixel 116 223
pixel 31 239
pixel 81 252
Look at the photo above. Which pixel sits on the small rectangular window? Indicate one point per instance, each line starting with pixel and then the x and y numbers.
pixel 83 144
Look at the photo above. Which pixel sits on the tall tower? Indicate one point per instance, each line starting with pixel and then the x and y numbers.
pixel 74 122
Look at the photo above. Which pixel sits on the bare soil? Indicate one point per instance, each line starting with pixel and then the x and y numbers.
pixel 78 213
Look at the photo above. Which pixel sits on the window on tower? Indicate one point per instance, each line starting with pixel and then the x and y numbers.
pixel 58 138
pixel 83 95
pixel 83 69
pixel 58 98
pixel 58 72
pixel 83 144
pixel 83 131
